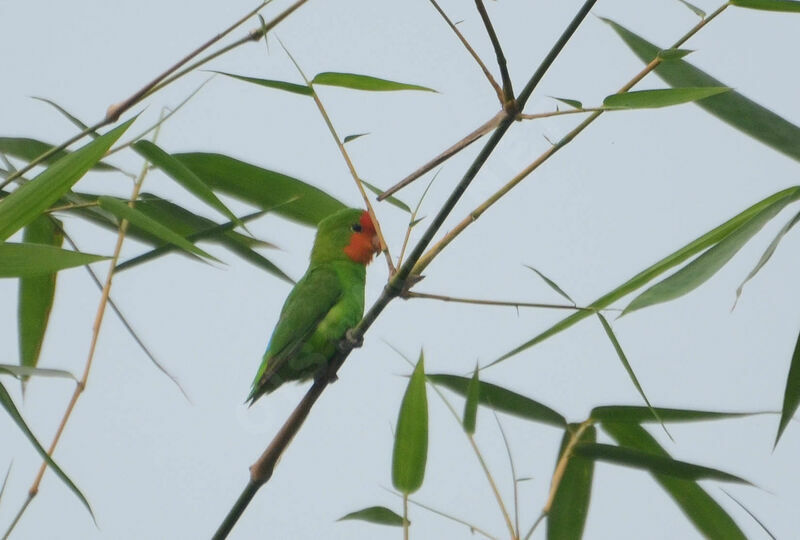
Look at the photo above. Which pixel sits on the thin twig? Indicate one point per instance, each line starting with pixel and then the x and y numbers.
pixel 476 301
pixel 561 466
pixel 508 91
pixel 513 473
pixel 471 51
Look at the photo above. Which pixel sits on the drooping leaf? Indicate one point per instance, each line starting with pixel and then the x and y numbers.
pixel 179 172
pixel 697 11
pixel 709 263
pixel 567 516
pixel 36 293
pixel 637 415
pixel 411 436
pixel 262 187
pixel 574 103
pixel 394 201
pixel 552 284
pixel 791 396
pixel 364 82
pixel 503 400
pixel 670 261
pixel 26 260
pixel 786 6
pixel 471 403
pixel 752 515
pixel 731 107
pixel 353 137
pixel 29 149
pixel 28 371
pixel 704 512
pixel 674 54
pixel 31 199
pixel 301 89
pixel 152 226
pixel 375 514
pixel 667 97
pixel 13 412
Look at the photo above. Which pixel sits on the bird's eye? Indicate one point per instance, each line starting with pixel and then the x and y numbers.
pixel 356 227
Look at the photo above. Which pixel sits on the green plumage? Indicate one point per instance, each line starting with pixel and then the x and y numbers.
pixel 326 302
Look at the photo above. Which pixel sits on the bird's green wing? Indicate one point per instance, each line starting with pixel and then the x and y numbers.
pixel 306 306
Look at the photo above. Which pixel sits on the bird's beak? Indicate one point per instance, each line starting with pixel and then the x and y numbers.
pixel 376 243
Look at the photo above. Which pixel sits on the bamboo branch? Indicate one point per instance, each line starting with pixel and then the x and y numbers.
pixel 508 91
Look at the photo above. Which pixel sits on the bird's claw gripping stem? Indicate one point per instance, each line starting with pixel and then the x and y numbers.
pixel 350 341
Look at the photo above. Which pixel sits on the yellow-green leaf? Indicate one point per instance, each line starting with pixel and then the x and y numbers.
pixel 411 436
pixel 666 97
pixel 786 6
pixel 25 260
pixel 791 396
pixel 471 403
pixel 375 514
pixel 364 82
pixel 567 516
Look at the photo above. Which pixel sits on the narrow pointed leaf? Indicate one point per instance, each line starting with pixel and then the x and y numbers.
pixel 375 514
pixel 28 149
pixel 28 371
pixel 411 436
pixel 5 482
pixel 301 89
pixel 674 54
pixel 353 137
pixel 648 274
pixel 36 293
pixel 651 99
pixel 786 6
pixel 179 172
pixel 637 415
pixel 574 103
pixel 158 229
pixel 697 11
pixel 767 255
pixel 654 463
pixel 394 201
pixel 26 260
pixel 709 263
pixel 364 82
pixel 791 396
pixel 552 284
pixel 471 404
pixel 13 412
pixel 262 187
pixel 731 107
pixel 503 400
pixel 28 201
pixel 703 511
pixel 567 516
pixel 752 515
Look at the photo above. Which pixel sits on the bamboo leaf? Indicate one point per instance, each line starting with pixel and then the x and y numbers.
pixel 375 514
pixel 26 260
pixel 697 11
pixel 786 6
pixel 471 403
pixel 156 228
pixel 567 517
pixel 301 89
pixel 574 103
pixel 28 149
pixel 704 512
pixel 637 415
pixel 674 54
pixel 791 396
pixel 13 412
pixel 411 436
pixel 21 372
pixel 503 400
pixel 262 187
pixel 394 201
pixel 364 82
pixel 552 284
pixel 731 107
pixel 28 201
pixel 650 99
pixel 353 137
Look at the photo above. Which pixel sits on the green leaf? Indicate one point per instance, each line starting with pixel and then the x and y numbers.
pixel 411 437
pixel 471 404
pixel 156 228
pixel 624 359
pixel 29 149
pixel 25 260
pixel 36 293
pixel 667 97
pixel 552 284
pixel 708 517
pixel 567 516
pixel 673 54
pixel 637 415
pixel 503 400
pixel 182 174
pixel 29 200
pixel 301 89
pixel 648 274
pixel 791 396
pixel 13 412
pixel 767 255
pixel 376 514
pixel 394 201
pixel 697 11
pixel 21 372
pixel 262 187
pixel 731 107
pixel 786 6
pixel 709 263
pixel 353 137
pixel 364 82
pixel 654 463
pixel 574 103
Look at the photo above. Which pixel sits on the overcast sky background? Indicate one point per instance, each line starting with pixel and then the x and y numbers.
pixel 633 188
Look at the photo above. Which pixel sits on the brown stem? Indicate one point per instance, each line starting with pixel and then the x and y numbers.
pixel 508 91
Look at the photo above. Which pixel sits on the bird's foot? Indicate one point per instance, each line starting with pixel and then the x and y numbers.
pixel 350 341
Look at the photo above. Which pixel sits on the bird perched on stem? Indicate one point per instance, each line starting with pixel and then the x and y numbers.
pixel 326 302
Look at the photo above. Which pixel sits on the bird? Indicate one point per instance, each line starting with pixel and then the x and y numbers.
pixel 324 305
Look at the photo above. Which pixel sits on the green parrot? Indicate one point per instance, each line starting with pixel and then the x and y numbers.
pixel 326 302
